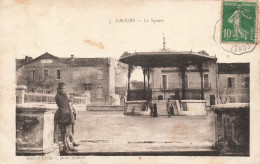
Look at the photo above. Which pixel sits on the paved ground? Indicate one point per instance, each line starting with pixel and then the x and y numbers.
pixel 112 131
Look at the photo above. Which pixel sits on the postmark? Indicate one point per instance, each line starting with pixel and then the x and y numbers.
pixel 239 22
pixel 232 47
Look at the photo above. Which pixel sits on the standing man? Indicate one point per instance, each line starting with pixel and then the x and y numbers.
pixel 168 104
pixel 64 116
pixel 155 110
pixel 177 94
pixel 171 110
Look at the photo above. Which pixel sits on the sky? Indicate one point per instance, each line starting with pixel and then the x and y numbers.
pixel 66 27
pixel 87 28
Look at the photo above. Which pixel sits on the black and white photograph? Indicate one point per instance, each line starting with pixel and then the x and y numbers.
pixel 149 81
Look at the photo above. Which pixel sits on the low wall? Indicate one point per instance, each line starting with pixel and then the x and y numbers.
pixel 136 108
pixel 193 107
pixel 232 128
pixel 184 108
pixel 105 108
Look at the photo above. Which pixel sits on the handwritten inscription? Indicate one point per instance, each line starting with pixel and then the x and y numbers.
pixel 133 20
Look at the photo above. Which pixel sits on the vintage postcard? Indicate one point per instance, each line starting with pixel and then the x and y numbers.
pixel 130 81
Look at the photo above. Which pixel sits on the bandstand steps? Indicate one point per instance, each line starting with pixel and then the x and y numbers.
pixel 161 107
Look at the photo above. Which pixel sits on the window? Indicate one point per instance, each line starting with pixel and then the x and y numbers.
pixel 247 82
pixel 206 81
pixel 33 74
pixel 88 87
pixel 212 99
pixel 164 81
pixel 160 97
pixel 46 73
pixel 58 74
pixel 100 74
pixel 231 82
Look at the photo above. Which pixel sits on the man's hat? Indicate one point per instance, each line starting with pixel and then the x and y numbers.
pixel 61 85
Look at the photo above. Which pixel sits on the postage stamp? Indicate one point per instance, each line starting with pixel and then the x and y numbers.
pixel 239 22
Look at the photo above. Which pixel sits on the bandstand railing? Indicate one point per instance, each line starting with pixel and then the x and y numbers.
pixel 173 86
pixel 140 94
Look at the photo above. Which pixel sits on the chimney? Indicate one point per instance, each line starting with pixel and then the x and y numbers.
pixel 26 59
pixel 72 57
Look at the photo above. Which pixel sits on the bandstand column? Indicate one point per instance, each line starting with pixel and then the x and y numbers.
pixel 201 80
pixel 183 72
pixel 128 84
pixel 144 71
pixel 148 81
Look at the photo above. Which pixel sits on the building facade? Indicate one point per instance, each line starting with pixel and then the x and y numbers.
pixel 167 82
pixel 234 81
pixel 90 77
pixel 222 83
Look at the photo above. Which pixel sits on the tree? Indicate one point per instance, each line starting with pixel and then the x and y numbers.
pixel 37 82
pixel 224 94
pixel 29 83
pixel 121 74
pixel 45 83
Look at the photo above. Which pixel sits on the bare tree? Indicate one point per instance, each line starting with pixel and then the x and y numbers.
pixel 37 82
pixel 121 74
pixel 45 83
pixel 224 94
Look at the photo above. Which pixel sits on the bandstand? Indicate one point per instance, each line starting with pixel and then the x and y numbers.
pixel 137 101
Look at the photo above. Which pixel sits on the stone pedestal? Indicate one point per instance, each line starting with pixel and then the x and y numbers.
pixel 232 128
pixel 20 90
pixel 35 129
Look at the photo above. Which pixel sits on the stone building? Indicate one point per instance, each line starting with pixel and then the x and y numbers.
pixel 90 77
pixel 165 82
pixel 234 82
pixel 223 83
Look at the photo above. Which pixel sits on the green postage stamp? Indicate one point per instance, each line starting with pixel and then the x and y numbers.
pixel 239 22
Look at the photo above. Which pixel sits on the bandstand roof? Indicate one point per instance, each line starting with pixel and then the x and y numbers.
pixel 165 58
